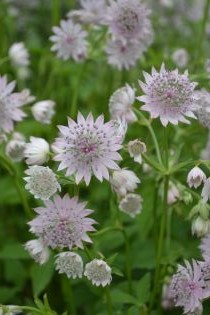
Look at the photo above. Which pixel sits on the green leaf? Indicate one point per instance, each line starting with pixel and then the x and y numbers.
pixel 7 294
pixel 112 258
pixel 119 296
pixel 14 251
pixel 117 272
pixel 143 288
pixel 41 276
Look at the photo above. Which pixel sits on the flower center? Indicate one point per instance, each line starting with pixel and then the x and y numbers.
pixel 69 39
pixel 88 148
pixel 128 21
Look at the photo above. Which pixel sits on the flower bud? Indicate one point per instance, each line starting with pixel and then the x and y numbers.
pixel 124 181
pixel 135 149
pixel 37 151
pixel 15 150
pixel 43 111
pixel 195 177
pixel 200 227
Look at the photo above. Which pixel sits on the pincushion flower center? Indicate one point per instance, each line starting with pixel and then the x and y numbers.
pixel 128 20
pixel 69 39
pixel 88 148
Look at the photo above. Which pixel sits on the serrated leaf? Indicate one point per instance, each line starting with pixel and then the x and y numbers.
pixel 143 288
pixel 41 276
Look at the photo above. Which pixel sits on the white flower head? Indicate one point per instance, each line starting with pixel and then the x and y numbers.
pixel 131 204
pixel 205 194
pixel 19 55
pixel 69 263
pixel 180 57
pixel 124 181
pixel 121 102
pixel 15 150
pixel 98 272
pixel 200 226
pixel 69 41
pixel 37 151
pixel 135 149
pixel 38 251
pixel 41 182
pixel 195 177
pixel 43 111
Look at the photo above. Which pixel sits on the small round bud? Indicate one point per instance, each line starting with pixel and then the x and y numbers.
pixel 131 204
pixel 180 57
pixel 135 149
pixel 173 194
pixel 19 55
pixel 43 111
pixel 195 177
pixel 124 181
pixel 69 263
pixel 41 182
pixel 15 150
pixel 98 272
pixel 200 227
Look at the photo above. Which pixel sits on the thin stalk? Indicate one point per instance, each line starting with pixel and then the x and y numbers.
pixel 55 11
pixel 108 300
pixel 12 170
pixel 155 198
pixel 68 294
pixel 168 229
pixel 128 261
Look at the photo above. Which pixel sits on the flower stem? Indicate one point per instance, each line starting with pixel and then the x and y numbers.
pixel 128 260
pixel 68 294
pixel 108 300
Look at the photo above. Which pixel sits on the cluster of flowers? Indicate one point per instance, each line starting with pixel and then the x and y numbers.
pixel 129 31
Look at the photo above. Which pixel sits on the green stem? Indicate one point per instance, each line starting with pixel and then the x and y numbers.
pixel 128 260
pixel 168 229
pixel 55 11
pixel 155 198
pixel 12 170
pixel 68 294
pixel 147 123
pixel 108 300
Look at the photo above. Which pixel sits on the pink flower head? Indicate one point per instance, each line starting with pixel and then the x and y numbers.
pixel 10 105
pixel 187 287
pixel 69 41
pixel 168 95
pixel 87 147
pixel 63 222
pixel 123 55
pixel 128 20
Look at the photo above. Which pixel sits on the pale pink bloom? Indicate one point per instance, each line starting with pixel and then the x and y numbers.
pixel 168 95
pixel 91 11
pixel 124 181
pixel 205 247
pixel 98 272
pixel 195 177
pixel 88 147
pixel 19 55
pixel 10 105
pixel 38 251
pixel 187 287
pixel 173 194
pixel 205 194
pixel 37 151
pixel 63 222
pixel 69 41
pixel 121 102
pixel 180 57
pixel 131 204
pixel 128 20
pixel 123 56
pixel 43 111
pixel 69 263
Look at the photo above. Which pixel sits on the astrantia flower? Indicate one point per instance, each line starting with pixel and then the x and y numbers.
pixel 205 247
pixel 123 56
pixel 200 226
pixel 88 148
pixel 168 95
pixel 69 41
pixel 124 181
pixel 129 20
pixel 92 11
pixel 63 222
pixel 195 177
pixel 43 111
pixel 10 105
pixel 41 182
pixel 38 251
pixel 203 110
pixel 37 151
pixel 69 263
pixel 131 204
pixel 206 190
pixel 19 55
pixel 180 57
pixel 136 148
pixel 98 272
pixel 121 102
pixel 120 127
pixel 15 150
pixel 187 287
